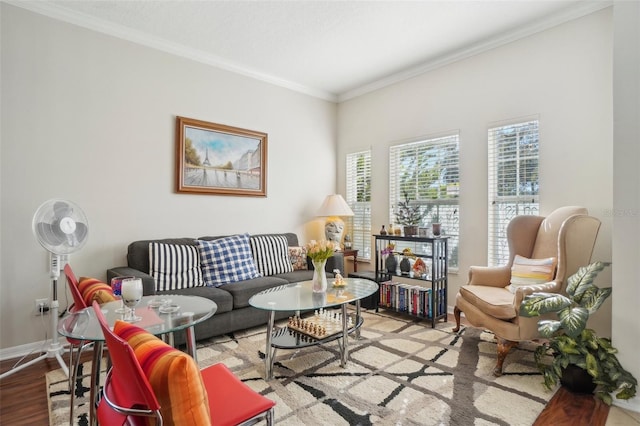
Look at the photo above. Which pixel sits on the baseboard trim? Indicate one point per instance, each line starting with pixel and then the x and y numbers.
pixel 632 404
pixel 35 348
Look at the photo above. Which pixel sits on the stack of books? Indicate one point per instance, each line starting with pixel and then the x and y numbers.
pixel 412 299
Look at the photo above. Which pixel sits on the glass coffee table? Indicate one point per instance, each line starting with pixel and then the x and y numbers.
pixel 323 327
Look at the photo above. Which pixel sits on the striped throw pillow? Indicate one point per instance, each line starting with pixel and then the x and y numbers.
pixel 271 254
pixel 93 289
pixel 173 375
pixel 526 271
pixel 174 266
pixel 226 260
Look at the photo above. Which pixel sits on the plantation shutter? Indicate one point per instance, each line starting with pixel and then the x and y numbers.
pixel 359 199
pixel 513 181
pixel 427 171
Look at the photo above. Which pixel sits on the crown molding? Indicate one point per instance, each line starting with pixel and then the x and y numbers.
pixel 60 13
pixel 83 20
pixel 582 9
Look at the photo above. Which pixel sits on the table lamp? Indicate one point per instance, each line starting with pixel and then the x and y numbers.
pixel 333 207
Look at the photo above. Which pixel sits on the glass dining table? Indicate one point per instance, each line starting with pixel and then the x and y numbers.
pixel 160 316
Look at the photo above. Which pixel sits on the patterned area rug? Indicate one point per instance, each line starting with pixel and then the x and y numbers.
pixel 400 372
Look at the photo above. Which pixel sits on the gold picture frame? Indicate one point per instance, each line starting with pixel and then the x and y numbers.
pixel 217 159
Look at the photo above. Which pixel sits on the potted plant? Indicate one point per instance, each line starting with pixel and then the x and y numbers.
pixel 409 216
pixel 573 346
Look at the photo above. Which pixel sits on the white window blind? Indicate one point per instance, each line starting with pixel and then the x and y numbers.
pixel 359 199
pixel 513 181
pixel 427 171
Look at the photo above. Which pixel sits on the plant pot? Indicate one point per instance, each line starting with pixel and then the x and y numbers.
pixel 577 380
pixel 410 230
pixel 435 227
pixel 391 263
pixel 405 266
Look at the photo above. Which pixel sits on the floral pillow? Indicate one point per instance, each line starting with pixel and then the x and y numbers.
pixel 298 258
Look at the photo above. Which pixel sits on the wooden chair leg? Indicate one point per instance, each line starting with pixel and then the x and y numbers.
pixel 504 346
pixel 456 314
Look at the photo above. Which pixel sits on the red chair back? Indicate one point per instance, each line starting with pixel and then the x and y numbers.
pixel 72 281
pixel 127 394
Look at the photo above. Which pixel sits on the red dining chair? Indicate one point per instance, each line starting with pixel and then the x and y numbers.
pixel 74 366
pixel 129 396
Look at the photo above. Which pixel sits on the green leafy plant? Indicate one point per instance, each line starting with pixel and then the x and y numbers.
pixel 570 342
pixel 407 214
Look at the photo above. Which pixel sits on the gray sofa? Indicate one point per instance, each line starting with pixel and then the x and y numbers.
pixel 234 312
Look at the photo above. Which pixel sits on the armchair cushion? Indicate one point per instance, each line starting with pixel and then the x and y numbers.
pixel 173 375
pixel 526 272
pixel 496 302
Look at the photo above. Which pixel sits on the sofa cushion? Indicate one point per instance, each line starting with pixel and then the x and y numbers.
pixel 227 260
pixel 298 258
pixel 526 271
pixel 493 301
pixel 173 375
pixel 270 254
pixel 242 291
pixel 298 276
pixel 219 295
pixel 93 289
pixel 138 251
pixel 174 266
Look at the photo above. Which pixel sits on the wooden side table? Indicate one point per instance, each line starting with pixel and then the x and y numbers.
pixel 354 253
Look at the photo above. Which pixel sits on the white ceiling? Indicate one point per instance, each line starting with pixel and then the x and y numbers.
pixel 334 50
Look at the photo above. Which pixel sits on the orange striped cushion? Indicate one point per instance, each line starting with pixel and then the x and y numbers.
pixel 92 289
pixel 173 375
pixel 526 271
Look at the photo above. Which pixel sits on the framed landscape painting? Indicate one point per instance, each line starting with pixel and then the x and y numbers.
pixel 217 159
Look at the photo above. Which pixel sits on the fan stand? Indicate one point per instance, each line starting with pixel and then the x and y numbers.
pixel 55 348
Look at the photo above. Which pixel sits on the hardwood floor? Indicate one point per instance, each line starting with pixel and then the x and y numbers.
pixel 23 400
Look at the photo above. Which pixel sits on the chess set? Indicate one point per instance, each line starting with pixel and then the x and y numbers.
pixel 321 325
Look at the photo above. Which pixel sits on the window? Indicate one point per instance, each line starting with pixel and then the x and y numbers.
pixel 359 199
pixel 427 172
pixel 513 181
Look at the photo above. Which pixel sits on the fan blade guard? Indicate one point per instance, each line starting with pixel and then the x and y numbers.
pixel 60 226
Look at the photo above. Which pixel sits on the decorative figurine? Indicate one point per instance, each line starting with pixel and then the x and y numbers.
pixel 339 281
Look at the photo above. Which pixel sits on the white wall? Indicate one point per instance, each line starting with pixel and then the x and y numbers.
pixel 626 189
pixel 91 118
pixel 563 75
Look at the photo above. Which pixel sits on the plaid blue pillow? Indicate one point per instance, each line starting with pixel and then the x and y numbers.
pixel 226 260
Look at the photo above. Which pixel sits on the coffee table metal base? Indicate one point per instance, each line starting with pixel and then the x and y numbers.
pixel 283 338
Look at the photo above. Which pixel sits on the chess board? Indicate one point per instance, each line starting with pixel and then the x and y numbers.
pixel 319 326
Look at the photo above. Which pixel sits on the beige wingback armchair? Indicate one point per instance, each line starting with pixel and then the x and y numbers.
pixel 568 234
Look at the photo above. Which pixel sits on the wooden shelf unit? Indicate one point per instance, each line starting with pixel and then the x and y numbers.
pixel 434 252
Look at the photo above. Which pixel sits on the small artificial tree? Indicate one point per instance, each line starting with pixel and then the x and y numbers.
pixel 406 214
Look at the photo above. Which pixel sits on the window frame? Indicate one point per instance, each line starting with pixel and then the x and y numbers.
pixel 436 189
pixel 508 196
pixel 358 197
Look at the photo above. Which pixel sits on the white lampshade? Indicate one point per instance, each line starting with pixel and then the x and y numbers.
pixel 335 205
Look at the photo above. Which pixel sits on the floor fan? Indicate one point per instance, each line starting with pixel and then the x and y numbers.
pixel 61 228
